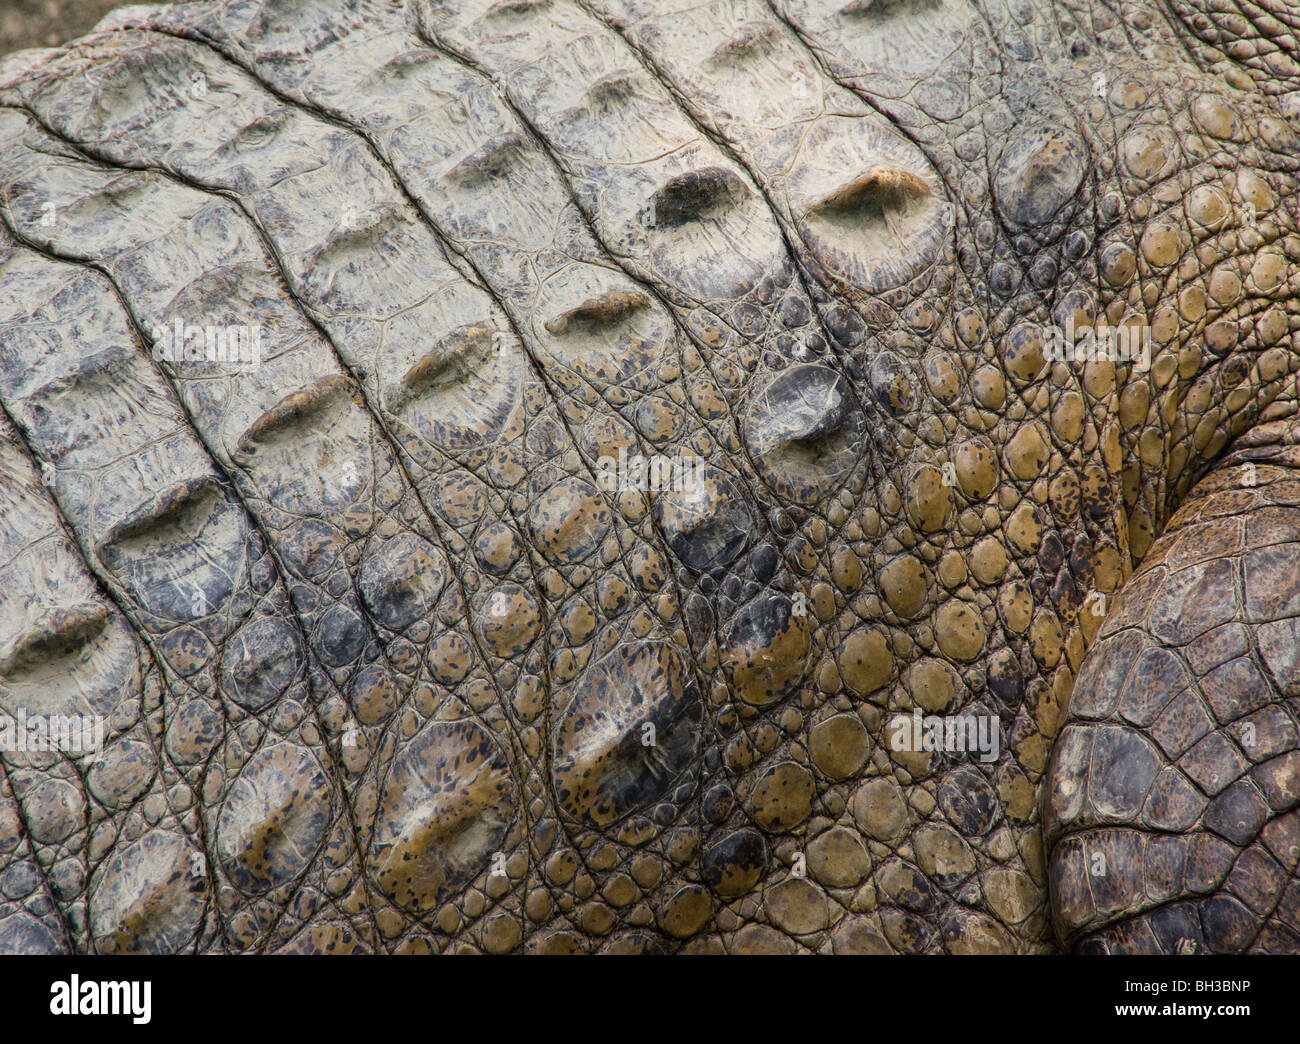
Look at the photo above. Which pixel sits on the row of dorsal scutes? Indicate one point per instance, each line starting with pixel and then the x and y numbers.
pixel 400 317
pixel 481 136
pixel 322 482
pixel 802 425
pixel 171 541
pixel 67 656
pixel 601 67
pixel 661 196
pixel 473 165
pixel 862 205
pixel 840 418
pixel 356 255
pixel 910 54
pixel 515 632
pixel 625 602
pixel 806 431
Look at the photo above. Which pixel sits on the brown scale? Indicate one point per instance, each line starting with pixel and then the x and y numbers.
pixel 1185 724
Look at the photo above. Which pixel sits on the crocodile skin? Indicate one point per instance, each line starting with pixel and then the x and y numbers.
pixel 392 656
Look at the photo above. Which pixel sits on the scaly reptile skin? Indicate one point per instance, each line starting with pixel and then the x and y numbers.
pixel 391 661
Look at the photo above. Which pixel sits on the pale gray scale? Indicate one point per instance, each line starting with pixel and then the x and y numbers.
pixel 64 649
pixel 660 194
pixel 148 506
pixel 890 48
pixel 474 168
pixel 290 35
pixel 409 70
pixel 861 204
pixel 56 357
pixel 44 187
pixel 69 657
pixel 325 56
pixel 602 104
pixel 467 148
pixel 352 248
pixel 120 86
pixel 720 46
pixel 457 149
pixel 325 53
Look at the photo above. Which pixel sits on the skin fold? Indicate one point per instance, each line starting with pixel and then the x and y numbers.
pixel 348 351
